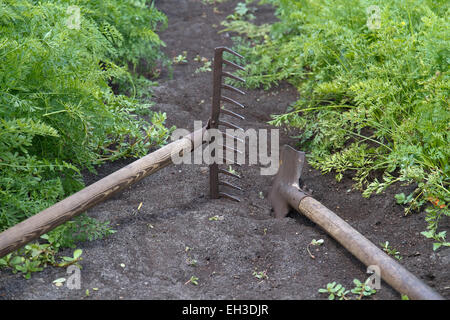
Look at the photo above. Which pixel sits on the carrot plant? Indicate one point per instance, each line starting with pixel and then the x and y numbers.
pixel 58 114
pixel 374 84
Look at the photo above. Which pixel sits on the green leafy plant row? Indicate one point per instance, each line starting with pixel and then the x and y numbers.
pixel 374 84
pixel 58 112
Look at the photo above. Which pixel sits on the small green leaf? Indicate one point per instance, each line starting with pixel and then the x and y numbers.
pixel 59 280
pixel 427 234
pixel 442 234
pixel 77 253
pixel 315 242
pixel 436 245
pixel 400 197
pixel 17 260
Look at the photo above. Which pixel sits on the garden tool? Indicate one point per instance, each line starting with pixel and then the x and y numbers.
pixel 215 121
pixel 48 219
pixel 72 206
pixel 285 194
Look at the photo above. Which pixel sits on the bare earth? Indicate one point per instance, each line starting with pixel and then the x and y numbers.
pixel 172 228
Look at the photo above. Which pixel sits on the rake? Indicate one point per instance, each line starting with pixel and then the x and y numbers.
pixel 48 219
pixel 215 121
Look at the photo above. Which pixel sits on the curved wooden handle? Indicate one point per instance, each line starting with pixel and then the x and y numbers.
pixel 392 272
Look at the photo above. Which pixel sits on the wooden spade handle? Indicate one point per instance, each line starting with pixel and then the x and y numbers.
pixel 41 223
pixel 392 272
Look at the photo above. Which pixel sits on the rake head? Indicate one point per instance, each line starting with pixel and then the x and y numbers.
pixel 215 121
pixel 286 184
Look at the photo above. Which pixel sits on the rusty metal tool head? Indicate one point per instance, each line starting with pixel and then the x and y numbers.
pixel 285 193
pixel 215 121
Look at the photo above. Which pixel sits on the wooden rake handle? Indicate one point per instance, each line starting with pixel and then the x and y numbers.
pixel 392 272
pixel 48 219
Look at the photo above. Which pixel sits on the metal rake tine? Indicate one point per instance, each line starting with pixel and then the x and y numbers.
pixel 228 161
pixel 229 173
pixel 232 137
pixel 229 125
pixel 226 99
pixel 227 184
pixel 232 76
pixel 225 147
pixel 232 64
pixel 231 88
pixel 231 113
pixel 229 196
pixel 215 121
pixel 232 52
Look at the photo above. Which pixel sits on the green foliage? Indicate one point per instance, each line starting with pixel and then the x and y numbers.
pixel 242 11
pixel 239 22
pixel 403 199
pixel 193 280
pixel 128 26
pixel 260 275
pixel 205 68
pixel 334 290
pixel 79 229
pixel 315 242
pixel 373 101
pixel 58 112
pixel 181 58
pixel 37 255
pixel 391 251
pixel 337 290
pixel 362 289
pixel 232 171
pixel 439 237
pixel 67 261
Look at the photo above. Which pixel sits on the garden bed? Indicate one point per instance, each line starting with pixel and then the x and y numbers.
pixel 178 233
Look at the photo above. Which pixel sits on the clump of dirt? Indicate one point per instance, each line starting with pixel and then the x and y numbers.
pixel 178 232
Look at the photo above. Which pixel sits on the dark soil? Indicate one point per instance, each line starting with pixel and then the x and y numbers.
pixel 151 242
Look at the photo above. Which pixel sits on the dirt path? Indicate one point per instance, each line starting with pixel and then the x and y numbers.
pixel 172 228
